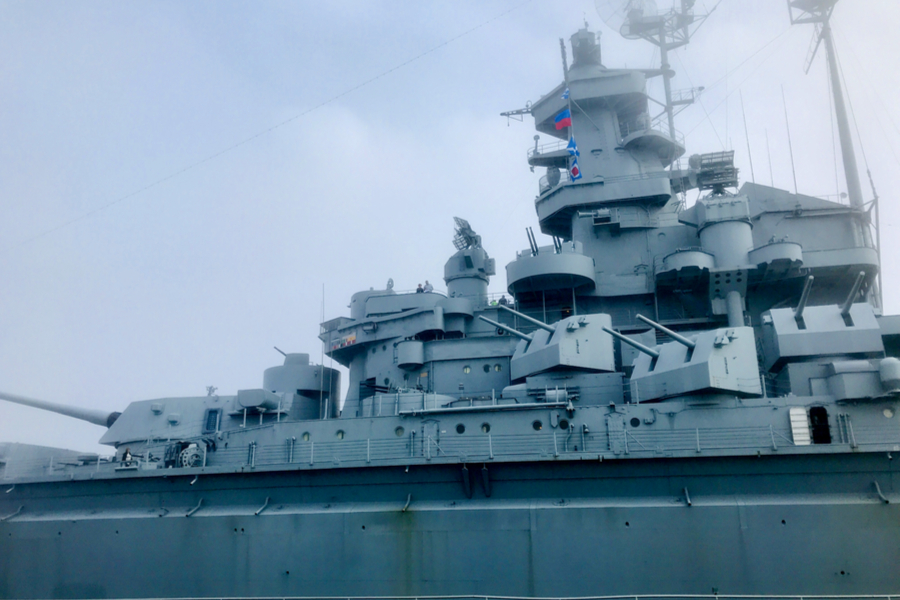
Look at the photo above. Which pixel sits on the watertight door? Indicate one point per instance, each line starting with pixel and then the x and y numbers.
pixel 615 429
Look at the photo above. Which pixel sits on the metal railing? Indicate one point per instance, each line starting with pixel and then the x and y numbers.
pixel 548 147
pixel 623 597
pixel 477 445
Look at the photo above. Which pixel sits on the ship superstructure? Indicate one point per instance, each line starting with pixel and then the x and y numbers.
pixel 669 400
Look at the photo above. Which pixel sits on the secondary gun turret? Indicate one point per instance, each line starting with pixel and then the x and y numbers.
pixel 574 343
pixel 97 417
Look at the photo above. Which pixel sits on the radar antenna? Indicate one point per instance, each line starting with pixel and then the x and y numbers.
pixel 465 236
pixel 622 14
pixel 666 29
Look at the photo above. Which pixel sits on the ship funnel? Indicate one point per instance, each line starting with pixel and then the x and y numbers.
pixel 97 417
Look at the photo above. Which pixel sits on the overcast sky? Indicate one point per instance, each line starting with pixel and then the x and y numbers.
pixel 148 249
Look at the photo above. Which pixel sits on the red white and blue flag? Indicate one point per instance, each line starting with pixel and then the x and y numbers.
pixel 563 119
pixel 574 170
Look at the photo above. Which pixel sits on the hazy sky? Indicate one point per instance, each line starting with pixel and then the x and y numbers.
pixel 188 278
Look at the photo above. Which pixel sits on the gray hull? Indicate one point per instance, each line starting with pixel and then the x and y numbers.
pixel 558 443
pixel 754 526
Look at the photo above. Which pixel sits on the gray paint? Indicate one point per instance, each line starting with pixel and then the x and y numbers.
pixel 465 461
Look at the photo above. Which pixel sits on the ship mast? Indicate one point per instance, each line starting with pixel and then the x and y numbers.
pixel 638 19
pixel 819 12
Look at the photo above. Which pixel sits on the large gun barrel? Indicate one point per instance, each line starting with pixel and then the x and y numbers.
pixel 675 336
pixel 506 328
pixel 634 344
pixel 804 297
pixel 97 417
pixel 845 308
pixel 531 320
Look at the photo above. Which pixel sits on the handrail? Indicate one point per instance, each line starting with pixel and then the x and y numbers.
pixel 547 148
pixel 891 596
pixel 531 445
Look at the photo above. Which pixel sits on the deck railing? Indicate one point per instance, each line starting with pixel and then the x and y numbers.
pixel 622 440
pixel 628 597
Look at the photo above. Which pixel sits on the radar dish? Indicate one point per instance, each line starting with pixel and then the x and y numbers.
pixel 629 17
pixel 465 237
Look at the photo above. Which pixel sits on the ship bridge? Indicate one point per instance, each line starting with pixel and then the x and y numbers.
pixel 608 148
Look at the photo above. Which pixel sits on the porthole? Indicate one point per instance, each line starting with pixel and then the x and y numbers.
pixel 563 424
pixel 487 368
pixel 387 382
pixel 498 367
pixel 339 434
pixel 460 428
pixel 467 369
pixel 384 347
pixel 537 425
pixel 485 427
pixel 305 436
pixel 399 432
pixel 635 421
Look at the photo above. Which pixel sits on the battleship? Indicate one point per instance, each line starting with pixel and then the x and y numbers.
pixel 666 400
